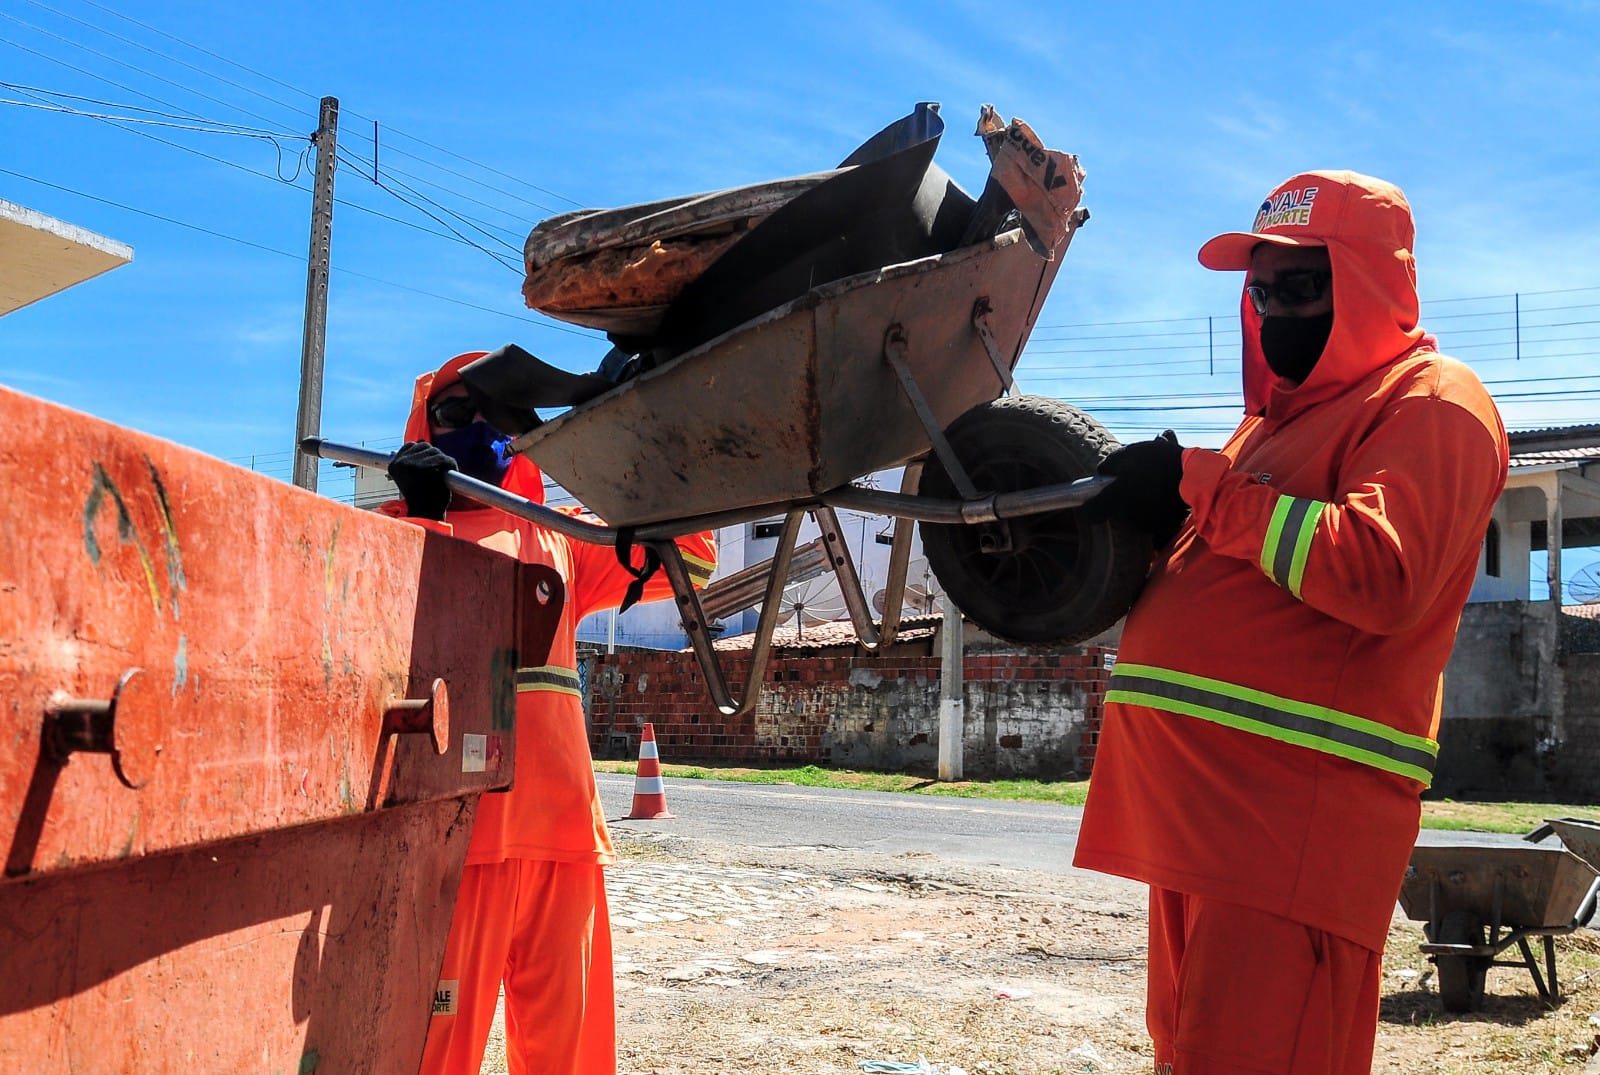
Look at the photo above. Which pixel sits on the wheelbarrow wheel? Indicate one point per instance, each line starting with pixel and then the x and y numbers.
pixel 1461 978
pixel 1050 579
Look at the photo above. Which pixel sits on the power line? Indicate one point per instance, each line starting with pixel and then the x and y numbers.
pixel 197 48
pixel 131 67
pixel 390 191
pixel 393 132
pixel 246 89
pixel 302 257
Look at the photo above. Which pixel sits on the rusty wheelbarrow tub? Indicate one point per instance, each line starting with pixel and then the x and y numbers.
pixel 1476 901
pixel 246 735
pixel 863 318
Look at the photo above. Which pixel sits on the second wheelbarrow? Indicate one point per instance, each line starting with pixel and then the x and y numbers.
pixel 1476 901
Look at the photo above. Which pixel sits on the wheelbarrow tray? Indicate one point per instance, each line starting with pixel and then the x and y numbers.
pixel 800 400
pixel 1538 887
pixel 1581 837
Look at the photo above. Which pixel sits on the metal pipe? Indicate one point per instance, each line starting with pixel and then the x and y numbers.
pixel 1046 498
pixel 986 509
pixel 549 518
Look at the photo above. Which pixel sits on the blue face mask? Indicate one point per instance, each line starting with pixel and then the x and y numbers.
pixel 480 450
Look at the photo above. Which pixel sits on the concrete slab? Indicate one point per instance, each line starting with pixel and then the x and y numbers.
pixel 40 255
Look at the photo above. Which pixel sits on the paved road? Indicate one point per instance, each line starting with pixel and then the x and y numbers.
pixel 1036 836
pixel 967 831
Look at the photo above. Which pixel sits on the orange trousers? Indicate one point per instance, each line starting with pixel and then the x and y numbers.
pixel 541 929
pixel 1238 991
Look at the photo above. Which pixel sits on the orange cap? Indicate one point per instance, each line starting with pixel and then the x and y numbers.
pixel 1315 208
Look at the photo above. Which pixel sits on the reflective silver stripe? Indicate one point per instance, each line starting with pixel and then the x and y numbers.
pixel 1276 717
pixel 1288 540
pixel 550 677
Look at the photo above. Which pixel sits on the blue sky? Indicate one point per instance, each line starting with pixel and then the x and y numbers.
pixel 1182 115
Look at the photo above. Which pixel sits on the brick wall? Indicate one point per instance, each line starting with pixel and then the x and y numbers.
pixel 1026 713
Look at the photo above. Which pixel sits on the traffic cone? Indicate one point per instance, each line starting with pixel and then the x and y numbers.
pixel 649 794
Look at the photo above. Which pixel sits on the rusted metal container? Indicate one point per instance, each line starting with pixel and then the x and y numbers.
pixel 1520 886
pixel 245 732
pixel 799 401
pixel 1477 901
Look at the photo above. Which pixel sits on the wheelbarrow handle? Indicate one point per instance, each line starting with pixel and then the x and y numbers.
pixel 533 511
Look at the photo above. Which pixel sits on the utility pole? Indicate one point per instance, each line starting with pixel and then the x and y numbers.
pixel 308 423
pixel 952 706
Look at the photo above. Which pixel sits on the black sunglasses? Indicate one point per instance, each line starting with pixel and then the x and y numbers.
pixel 1297 287
pixel 452 412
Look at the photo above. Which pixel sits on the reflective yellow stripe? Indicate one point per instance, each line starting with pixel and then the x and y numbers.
pixel 549 677
pixel 699 570
pixel 1274 716
pixel 1288 540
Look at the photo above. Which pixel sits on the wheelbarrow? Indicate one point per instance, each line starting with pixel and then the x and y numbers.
pixel 1477 901
pixel 868 318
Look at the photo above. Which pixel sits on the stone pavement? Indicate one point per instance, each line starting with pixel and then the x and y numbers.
pixel 643 895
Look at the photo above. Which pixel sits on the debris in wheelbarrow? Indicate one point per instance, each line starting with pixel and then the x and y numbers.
pixel 1477 900
pixel 663 277
pixel 846 333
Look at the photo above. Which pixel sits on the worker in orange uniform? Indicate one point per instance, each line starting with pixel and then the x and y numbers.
pixel 531 911
pixel 1272 717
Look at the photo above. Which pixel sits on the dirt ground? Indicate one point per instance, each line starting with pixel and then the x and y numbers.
pixel 822 959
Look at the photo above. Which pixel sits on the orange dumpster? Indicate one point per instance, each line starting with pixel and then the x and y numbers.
pixel 245 730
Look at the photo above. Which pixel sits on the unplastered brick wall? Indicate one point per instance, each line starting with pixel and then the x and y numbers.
pixel 1029 713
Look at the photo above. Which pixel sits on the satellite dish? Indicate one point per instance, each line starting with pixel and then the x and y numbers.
pixel 922 596
pixel 918 600
pixel 813 602
pixel 1584 587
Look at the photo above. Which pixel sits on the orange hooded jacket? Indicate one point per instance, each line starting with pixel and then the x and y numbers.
pixel 552 812
pixel 1272 716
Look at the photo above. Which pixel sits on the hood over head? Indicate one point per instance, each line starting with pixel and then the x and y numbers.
pixel 1366 226
pixel 523 478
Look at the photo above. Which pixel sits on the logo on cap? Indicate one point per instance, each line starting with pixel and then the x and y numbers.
pixel 1289 208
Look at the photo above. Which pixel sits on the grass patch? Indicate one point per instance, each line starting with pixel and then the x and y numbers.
pixel 1498 817
pixel 1444 814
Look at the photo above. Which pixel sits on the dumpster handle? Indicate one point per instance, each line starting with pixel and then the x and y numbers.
pixel 126 726
pixel 428 716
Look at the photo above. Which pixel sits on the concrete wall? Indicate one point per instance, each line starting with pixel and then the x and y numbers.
pixel 1027 714
pixel 1575 767
pixel 1510 583
pixel 1521 707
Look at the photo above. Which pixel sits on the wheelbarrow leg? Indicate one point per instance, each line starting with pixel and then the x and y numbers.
pixel 844 569
pixel 1550 967
pixel 894 591
pixel 694 623
pixel 771 608
pixel 1547 985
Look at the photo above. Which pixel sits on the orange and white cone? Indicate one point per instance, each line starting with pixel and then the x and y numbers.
pixel 649 794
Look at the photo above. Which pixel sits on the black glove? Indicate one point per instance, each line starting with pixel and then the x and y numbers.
pixel 418 469
pixel 1145 493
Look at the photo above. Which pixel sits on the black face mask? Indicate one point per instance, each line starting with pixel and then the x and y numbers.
pixel 1292 345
